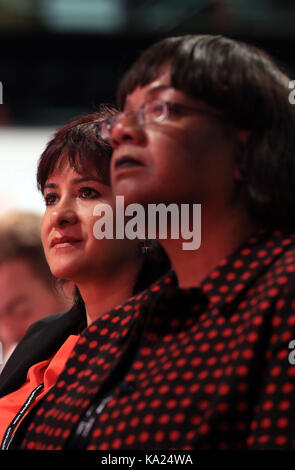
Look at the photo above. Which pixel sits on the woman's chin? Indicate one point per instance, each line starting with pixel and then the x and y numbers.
pixel 69 273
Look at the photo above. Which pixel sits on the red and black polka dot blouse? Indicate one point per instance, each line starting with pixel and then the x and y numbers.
pixel 203 368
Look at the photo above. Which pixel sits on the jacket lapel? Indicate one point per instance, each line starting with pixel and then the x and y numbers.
pixel 42 340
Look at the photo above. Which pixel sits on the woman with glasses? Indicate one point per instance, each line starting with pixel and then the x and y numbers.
pixel 206 120
pixel 73 176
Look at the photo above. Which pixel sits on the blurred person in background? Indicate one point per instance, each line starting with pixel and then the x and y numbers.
pixel 26 282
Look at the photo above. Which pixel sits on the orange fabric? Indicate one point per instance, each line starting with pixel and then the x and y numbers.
pixel 47 372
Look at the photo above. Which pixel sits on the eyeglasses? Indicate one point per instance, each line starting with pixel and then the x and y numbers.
pixel 153 111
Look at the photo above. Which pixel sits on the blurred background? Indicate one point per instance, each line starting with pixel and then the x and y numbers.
pixel 60 58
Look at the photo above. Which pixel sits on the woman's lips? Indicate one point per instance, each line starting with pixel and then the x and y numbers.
pixel 126 161
pixel 64 242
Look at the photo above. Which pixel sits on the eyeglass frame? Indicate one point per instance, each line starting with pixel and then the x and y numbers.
pixel 108 124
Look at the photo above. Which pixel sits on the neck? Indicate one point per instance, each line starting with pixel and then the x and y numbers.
pixel 222 233
pixel 104 293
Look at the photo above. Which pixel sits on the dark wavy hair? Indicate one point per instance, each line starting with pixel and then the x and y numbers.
pixel 81 144
pixel 251 90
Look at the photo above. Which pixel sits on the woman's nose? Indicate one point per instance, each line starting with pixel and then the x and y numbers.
pixel 63 216
pixel 127 130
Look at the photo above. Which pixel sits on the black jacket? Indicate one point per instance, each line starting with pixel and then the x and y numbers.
pixel 44 337
pixel 41 341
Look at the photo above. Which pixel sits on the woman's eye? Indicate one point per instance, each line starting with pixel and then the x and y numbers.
pixel 50 199
pixel 155 108
pixel 89 193
pixel 175 109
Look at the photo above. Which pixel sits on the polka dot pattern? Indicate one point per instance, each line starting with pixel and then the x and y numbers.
pixel 211 369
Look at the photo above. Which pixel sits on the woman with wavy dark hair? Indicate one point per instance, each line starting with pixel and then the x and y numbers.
pixel 73 176
pixel 206 120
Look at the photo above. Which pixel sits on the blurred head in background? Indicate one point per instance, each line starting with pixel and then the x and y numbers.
pixel 27 288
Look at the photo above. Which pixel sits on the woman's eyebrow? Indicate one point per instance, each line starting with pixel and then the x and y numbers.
pixel 50 185
pixel 155 89
pixel 76 181
pixel 87 178
pixel 149 93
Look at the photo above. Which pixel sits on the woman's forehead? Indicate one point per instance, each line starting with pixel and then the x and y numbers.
pixel 160 77
pixel 159 89
pixel 80 166
pixel 149 91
